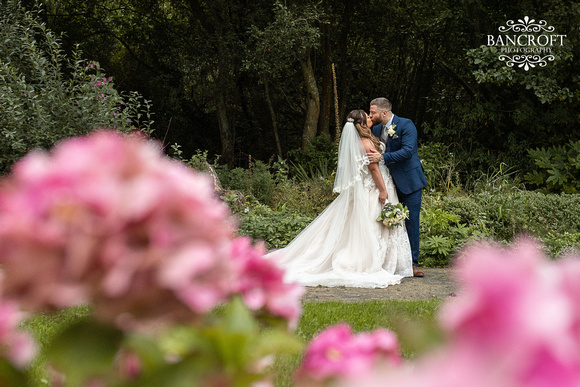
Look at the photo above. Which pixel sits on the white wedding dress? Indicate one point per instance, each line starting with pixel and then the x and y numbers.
pixel 345 245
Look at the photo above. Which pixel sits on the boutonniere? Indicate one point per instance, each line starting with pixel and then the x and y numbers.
pixel 391 131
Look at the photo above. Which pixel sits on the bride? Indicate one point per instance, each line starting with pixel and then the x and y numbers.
pixel 345 245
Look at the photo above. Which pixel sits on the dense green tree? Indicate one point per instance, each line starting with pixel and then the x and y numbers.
pixel 291 38
pixel 241 78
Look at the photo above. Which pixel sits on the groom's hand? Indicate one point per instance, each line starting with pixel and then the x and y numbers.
pixel 374 156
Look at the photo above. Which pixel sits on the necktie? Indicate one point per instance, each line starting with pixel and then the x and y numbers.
pixel 385 135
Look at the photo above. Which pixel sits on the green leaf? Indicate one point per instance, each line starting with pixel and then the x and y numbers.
pixel 238 318
pixel 149 351
pixel 275 341
pixel 556 177
pixel 84 350
pixel 11 376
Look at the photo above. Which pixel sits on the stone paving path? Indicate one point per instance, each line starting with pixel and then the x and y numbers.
pixel 437 284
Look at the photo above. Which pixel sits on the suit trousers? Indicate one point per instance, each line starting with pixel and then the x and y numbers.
pixel 413 203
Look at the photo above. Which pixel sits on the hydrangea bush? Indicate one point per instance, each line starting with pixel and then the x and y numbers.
pixel 107 220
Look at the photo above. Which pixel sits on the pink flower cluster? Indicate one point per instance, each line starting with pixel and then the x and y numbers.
pixel 515 322
pixel 100 82
pixel 337 355
pixel 261 283
pixel 107 219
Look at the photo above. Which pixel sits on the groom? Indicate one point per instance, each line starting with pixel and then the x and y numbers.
pixel 400 136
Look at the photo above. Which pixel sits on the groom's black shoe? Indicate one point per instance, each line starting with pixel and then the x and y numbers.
pixel 416 272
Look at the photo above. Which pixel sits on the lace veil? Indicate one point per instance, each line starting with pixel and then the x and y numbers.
pixel 351 159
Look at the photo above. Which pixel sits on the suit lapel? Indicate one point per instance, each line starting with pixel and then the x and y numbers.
pixel 377 131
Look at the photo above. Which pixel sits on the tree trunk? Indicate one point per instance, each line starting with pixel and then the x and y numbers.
pixel 326 87
pixel 227 134
pixel 313 105
pixel 273 116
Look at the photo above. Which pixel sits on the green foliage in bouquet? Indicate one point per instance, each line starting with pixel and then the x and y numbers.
pixel 46 96
pixel 393 215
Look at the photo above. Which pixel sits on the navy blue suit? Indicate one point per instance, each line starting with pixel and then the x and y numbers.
pixel 403 161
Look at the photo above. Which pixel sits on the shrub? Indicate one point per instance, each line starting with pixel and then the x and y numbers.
pixel 308 197
pixel 450 222
pixel 441 235
pixel 562 243
pixel 318 160
pixel 46 96
pixel 257 181
pixel 198 161
pixel 500 178
pixel 275 228
pixel 558 168
pixel 440 167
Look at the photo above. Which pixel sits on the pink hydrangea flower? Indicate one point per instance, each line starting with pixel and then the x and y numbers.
pixel 260 282
pixel 517 310
pixel 108 219
pixel 336 354
pixel 515 322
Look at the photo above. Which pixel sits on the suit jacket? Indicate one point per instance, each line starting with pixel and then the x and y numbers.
pixel 401 156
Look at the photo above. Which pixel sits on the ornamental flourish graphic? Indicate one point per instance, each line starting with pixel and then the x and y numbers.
pixel 526 25
pixel 525 43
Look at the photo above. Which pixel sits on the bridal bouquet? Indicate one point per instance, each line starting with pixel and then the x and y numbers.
pixel 393 215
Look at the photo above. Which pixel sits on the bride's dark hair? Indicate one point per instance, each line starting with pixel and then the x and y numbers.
pixel 359 118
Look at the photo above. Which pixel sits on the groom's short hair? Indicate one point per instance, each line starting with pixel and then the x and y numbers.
pixel 382 103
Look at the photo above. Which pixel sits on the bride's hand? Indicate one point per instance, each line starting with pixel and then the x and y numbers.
pixel 383 196
pixel 374 156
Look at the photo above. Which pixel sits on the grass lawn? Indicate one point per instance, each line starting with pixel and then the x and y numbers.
pixel 413 321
